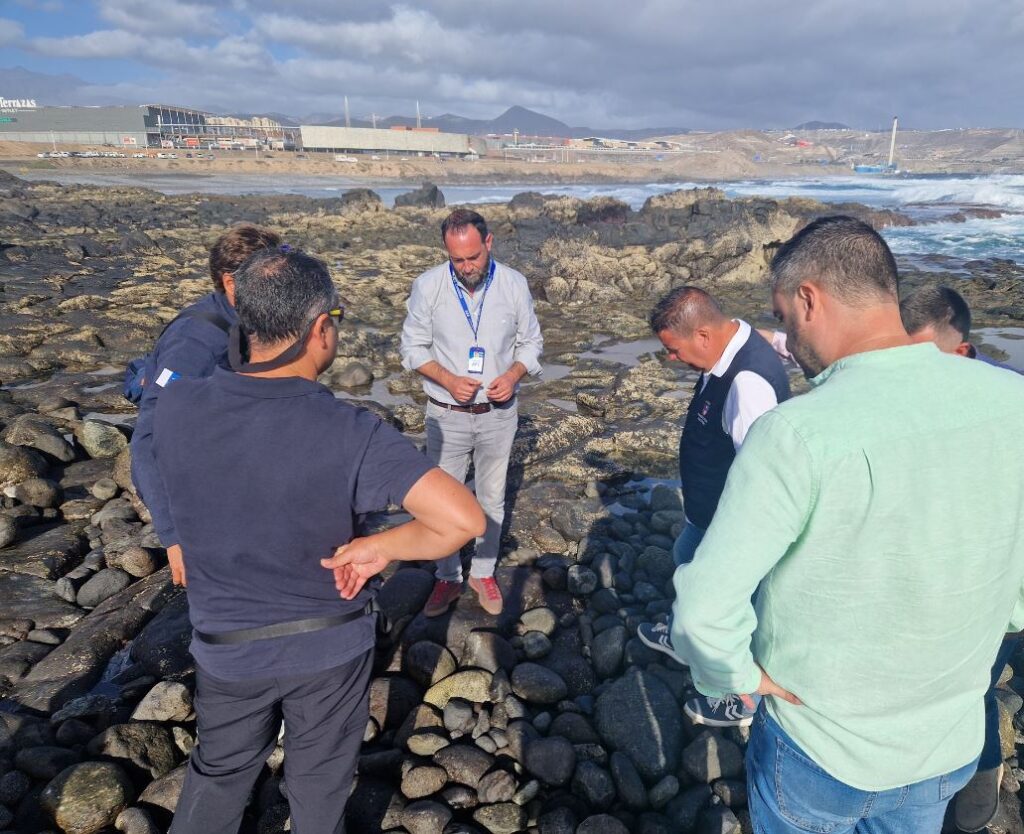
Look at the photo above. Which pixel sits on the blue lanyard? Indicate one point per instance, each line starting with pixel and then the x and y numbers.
pixel 462 299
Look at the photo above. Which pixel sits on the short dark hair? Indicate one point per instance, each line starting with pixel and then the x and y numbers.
pixel 234 246
pixel 462 219
pixel 843 255
pixel 279 294
pixel 685 309
pixel 937 307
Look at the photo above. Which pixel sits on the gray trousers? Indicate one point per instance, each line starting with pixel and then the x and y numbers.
pixel 238 726
pixel 453 438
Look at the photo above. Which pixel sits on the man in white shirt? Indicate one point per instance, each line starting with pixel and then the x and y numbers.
pixel 741 378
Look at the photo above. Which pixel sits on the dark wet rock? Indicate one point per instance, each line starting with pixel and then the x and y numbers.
pixel 538 685
pixel 18 464
pixel 167 701
pixel 87 706
pixel 405 593
pixel 29 595
pixel 552 760
pixel 628 784
pixel 13 786
pixel 423 781
pixel 161 648
pixel 686 808
pixel 36 492
pixel 651 737
pixel 140 746
pixel 72 668
pixel 45 762
pixel 464 763
pixel 459 716
pixel 469 684
pixel 503 818
pixel 718 820
pixel 427 196
pixel 135 821
pixel 101 440
pixel 733 792
pixel 602 824
pixel 18 658
pixel 46 551
pixel 594 785
pixel 87 797
pixel 575 727
pixel 102 586
pixel 164 791
pixel 710 757
pixel 349 375
pixel 490 651
pixel 39 434
pixel 427 663
pixel 361 199
pixel 664 790
pixel 459 797
pixel 392 698
pixel 8 531
pixel 581 580
pixel 536 645
pixel 607 650
pixel 496 786
pixel 557 821
pixel 424 817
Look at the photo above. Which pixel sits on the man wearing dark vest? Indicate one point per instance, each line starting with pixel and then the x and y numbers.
pixel 264 472
pixel 741 378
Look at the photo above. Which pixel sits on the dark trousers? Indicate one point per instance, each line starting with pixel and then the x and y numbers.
pixel 238 723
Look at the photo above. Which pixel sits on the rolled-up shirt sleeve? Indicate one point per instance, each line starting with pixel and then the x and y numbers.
pixel 529 341
pixel 418 328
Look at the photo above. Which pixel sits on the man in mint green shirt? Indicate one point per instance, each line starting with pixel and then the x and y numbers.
pixel 882 592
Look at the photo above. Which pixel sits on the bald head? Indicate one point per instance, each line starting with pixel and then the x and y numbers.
pixel 685 310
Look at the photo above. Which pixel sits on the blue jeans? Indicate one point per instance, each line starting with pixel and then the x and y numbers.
pixel 788 793
pixel 686 545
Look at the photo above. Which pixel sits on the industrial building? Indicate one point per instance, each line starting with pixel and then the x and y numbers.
pixel 368 140
pixel 142 126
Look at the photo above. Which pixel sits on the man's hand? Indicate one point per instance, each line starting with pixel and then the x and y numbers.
pixel 354 563
pixel 503 387
pixel 770 687
pixel 463 388
pixel 176 560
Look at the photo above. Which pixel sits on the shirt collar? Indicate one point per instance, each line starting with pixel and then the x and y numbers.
pixel 266 387
pixel 875 358
pixel 738 340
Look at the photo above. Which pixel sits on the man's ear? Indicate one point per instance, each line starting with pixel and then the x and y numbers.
pixel 965 349
pixel 227 280
pixel 807 301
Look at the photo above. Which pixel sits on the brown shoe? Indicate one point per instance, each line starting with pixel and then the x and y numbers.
pixel 442 597
pixel 488 593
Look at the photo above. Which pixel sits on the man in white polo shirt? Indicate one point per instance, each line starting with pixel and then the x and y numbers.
pixel 741 378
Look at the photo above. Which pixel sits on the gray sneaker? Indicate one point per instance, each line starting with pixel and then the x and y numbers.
pixel 729 711
pixel 978 801
pixel 657 636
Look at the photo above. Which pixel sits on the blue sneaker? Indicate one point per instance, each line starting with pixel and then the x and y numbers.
pixel 657 636
pixel 729 711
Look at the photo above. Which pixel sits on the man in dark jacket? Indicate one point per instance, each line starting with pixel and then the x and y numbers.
pixel 193 345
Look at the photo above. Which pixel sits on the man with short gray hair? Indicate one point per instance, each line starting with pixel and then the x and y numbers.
pixel 883 594
pixel 265 471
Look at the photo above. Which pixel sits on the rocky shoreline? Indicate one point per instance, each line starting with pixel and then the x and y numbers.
pixel 530 722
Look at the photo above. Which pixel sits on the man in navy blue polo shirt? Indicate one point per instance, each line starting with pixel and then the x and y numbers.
pixel 264 472
pixel 192 345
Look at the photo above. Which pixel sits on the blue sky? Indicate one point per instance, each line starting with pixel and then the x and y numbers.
pixel 726 64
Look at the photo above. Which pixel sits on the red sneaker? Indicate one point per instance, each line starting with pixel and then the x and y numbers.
pixel 442 597
pixel 488 593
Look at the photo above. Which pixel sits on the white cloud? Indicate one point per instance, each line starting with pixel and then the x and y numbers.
pixel 164 18
pixel 11 32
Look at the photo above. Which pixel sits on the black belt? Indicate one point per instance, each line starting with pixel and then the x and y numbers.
pixel 476 408
pixel 244 635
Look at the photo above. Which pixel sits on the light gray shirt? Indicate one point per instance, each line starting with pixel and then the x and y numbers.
pixel 436 328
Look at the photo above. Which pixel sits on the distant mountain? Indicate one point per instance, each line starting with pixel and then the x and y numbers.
pixel 50 90
pixel 527 122
pixel 822 126
pixel 280 118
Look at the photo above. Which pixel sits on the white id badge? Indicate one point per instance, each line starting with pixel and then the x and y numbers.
pixel 475 365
